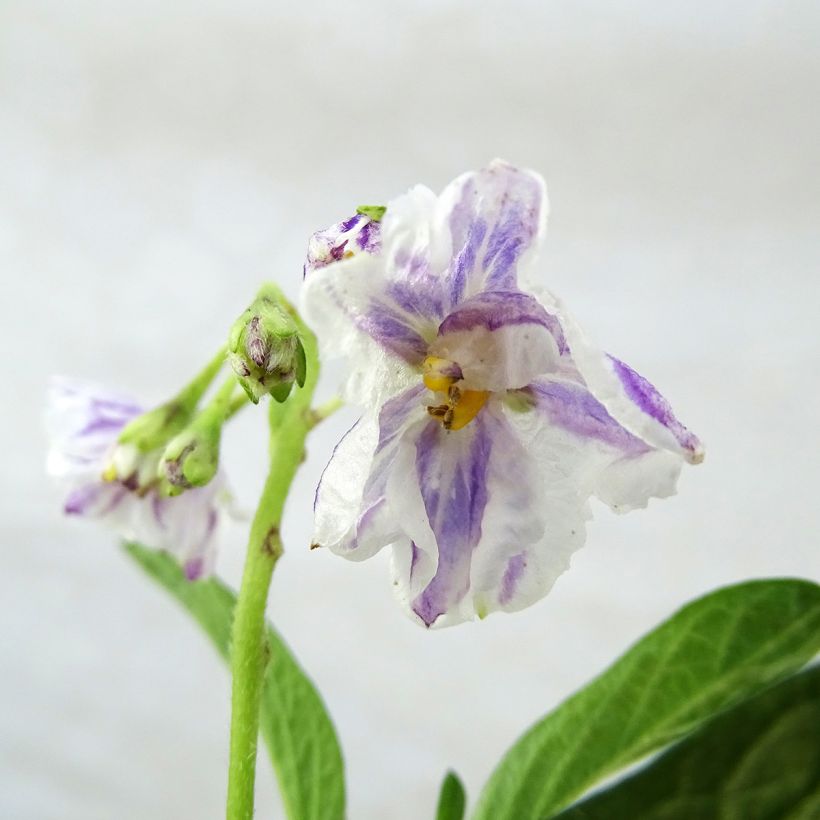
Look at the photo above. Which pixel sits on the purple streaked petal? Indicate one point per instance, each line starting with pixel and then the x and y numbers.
pixel 352 516
pixel 94 500
pixel 516 566
pixel 501 339
pixel 83 421
pixel 573 408
pixel 646 397
pixel 599 456
pixel 393 420
pixel 194 568
pixel 358 234
pixel 628 397
pixel 495 216
pixel 392 331
pixel 452 475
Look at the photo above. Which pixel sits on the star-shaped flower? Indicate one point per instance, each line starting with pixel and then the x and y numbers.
pixel 489 418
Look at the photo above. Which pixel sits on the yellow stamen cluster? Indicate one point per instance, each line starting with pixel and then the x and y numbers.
pixel 462 406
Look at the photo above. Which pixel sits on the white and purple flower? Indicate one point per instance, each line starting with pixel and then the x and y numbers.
pixel 84 421
pixel 490 419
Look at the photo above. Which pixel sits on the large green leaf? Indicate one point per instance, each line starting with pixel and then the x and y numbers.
pixel 452 799
pixel 758 761
pixel 713 653
pixel 294 722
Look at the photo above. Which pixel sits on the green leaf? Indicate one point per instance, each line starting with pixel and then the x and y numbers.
pixel 711 654
pixel 452 799
pixel 758 761
pixel 297 730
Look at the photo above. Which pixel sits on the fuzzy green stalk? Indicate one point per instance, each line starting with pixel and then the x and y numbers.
pixel 195 389
pixel 290 423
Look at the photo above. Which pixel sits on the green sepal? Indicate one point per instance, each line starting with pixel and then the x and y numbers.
pixel 300 365
pixel 281 391
pixel 374 212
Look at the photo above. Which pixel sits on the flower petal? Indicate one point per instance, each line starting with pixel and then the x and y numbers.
pixel 347 303
pixel 609 461
pixel 352 514
pixel 500 339
pixel 480 507
pixel 359 234
pixel 496 219
pixel 452 473
pixel 630 398
pixel 186 525
pixel 83 421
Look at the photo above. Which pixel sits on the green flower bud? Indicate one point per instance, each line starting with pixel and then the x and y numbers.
pixel 133 462
pixel 140 445
pixel 191 458
pixel 265 350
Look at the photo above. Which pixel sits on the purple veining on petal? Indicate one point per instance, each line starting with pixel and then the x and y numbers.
pixel 415 554
pixel 394 415
pixel 392 332
pixel 468 230
pixel 498 209
pixel 349 224
pixel 646 397
pixel 497 309
pixel 95 500
pixel 513 234
pixel 572 407
pixel 415 288
pixel 158 508
pixel 512 576
pixel 454 490
pixel 332 456
pixel 194 568
pixel 102 425
pixel 338 241
pixel 336 252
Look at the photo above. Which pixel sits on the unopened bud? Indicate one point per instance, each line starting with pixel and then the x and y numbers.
pixel 265 350
pixel 191 459
pixel 133 461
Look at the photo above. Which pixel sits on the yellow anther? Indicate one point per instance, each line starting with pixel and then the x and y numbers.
pixel 466 408
pixel 439 374
pixel 110 473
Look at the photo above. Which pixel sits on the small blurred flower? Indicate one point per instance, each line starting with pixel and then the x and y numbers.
pixel 85 422
pixel 490 418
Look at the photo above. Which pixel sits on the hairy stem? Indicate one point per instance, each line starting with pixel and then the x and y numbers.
pixel 289 423
pixel 323 411
pixel 195 389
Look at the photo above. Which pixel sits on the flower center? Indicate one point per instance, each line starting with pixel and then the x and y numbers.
pixel 461 405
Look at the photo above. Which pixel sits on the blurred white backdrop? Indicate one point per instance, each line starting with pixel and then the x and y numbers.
pixel 157 160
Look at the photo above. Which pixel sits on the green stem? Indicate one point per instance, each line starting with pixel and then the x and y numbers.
pixel 320 413
pixel 290 424
pixel 195 389
pixel 218 408
pixel 237 403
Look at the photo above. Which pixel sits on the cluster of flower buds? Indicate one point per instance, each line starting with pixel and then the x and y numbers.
pixel 135 458
pixel 265 350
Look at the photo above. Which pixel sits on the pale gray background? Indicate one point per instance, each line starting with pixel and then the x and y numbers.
pixel 158 159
